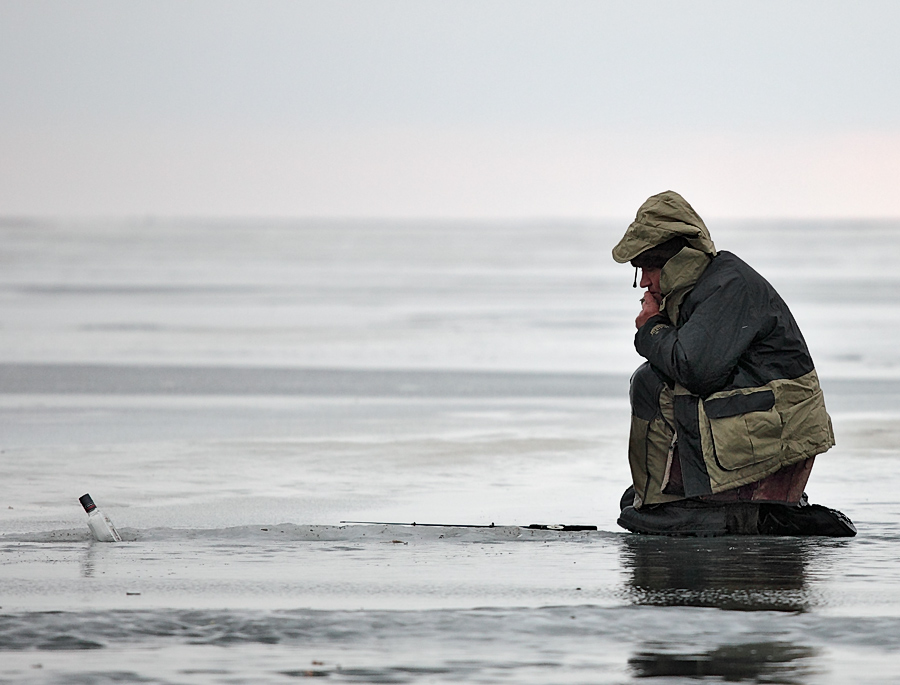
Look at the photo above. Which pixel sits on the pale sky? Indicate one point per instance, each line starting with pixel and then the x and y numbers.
pixel 449 109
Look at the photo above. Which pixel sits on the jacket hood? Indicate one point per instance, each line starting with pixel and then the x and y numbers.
pixel 661 218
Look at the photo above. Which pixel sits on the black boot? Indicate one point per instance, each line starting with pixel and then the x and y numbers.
pixel 692 518
pixel 708 519
pixel 807 519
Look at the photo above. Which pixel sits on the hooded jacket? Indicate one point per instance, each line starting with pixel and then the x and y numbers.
pixel 747 397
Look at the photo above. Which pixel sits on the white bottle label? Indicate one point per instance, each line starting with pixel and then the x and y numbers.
pixel 102 528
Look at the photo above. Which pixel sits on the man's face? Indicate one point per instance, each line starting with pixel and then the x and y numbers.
pixel 650 280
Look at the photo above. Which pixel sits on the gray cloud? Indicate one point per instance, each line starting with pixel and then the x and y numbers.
pixel 689 64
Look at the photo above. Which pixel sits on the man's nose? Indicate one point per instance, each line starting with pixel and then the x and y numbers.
pixel 645 280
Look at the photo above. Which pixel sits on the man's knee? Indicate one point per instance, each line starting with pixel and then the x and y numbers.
pixel 646 386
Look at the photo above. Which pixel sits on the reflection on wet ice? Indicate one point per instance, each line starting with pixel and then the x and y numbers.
pixel 758 574
pixel 770 662
pixel 88 561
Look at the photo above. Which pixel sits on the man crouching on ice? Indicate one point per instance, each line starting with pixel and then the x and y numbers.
pixel 727 415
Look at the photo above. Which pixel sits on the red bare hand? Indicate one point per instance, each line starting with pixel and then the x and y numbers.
pixel 649 309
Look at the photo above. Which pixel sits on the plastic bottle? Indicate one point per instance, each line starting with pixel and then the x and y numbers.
pixel 101 527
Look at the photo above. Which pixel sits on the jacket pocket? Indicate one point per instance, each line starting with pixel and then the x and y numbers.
pixel 807 428
pixel 746 429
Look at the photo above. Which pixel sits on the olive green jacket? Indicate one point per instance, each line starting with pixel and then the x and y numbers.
pixel 747 397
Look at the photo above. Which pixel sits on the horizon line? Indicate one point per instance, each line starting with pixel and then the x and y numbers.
pixel 13 218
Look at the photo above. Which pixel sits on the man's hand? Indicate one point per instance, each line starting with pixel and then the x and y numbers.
pixel 649 309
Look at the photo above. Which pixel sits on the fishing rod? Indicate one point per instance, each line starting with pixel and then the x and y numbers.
pixel 533 526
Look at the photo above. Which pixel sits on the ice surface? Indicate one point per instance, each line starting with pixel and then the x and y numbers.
pixel 230 392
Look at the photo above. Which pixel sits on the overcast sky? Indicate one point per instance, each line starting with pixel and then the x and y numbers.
pixel 454 108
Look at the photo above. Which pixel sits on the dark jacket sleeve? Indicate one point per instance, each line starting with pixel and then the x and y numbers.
pixel 702 352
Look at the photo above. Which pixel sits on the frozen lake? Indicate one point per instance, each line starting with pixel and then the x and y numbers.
pixel 230 392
